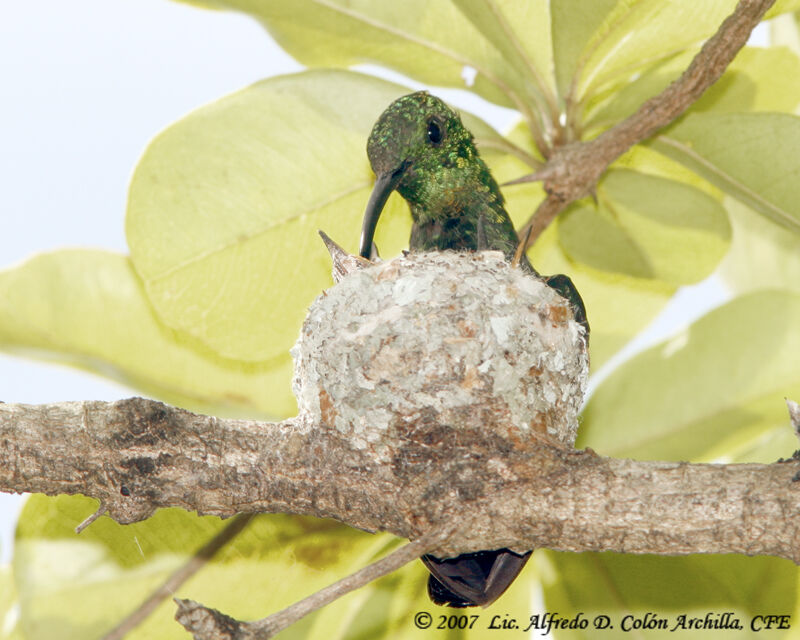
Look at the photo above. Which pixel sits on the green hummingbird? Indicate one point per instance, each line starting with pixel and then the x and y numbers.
pixel 420 148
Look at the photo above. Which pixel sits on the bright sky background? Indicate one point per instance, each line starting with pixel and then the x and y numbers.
pixel 85 86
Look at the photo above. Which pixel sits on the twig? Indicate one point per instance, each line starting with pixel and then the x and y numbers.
pixel 100 511
pixel 520 249
pixel 573 169
pixel 181 575
pixel 209 624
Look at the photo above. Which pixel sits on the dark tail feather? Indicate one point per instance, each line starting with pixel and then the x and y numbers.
pixel 472 579
pixel 564 287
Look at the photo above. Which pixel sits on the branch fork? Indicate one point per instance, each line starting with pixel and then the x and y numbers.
pixel 573 169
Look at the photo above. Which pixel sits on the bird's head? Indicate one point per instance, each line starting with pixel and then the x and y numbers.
pixel 417 146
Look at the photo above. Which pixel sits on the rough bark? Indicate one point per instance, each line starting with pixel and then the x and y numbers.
pixel 137 455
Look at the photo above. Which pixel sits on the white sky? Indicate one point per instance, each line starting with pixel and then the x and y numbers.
pixel 85 85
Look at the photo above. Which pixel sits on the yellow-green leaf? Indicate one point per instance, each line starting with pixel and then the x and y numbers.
pixel 751 156
pixel 521 32
pixel 593 236
pixel 707 392
pixel 603 110
pixel 81 586
pixel 9 619
pixel 88 309
pixel 646 160
pixel 647 227
pixel 632 589
pixel 617 306
pixel 784 31
pixel 574 26
pixel 636 34
pixel 225 206
pixel 430 41
pixel 639 33
pixel 756 80
pixel 762 255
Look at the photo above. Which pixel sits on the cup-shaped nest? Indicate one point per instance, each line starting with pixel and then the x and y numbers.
pixel 462 340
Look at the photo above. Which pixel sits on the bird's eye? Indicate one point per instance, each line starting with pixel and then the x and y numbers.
pixel 434 132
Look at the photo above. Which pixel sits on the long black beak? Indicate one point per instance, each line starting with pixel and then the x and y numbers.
pixel 384 185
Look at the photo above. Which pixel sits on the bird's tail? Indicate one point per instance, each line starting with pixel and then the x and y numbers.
pixel 472 579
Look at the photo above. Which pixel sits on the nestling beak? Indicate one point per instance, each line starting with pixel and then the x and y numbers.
pixel 384 185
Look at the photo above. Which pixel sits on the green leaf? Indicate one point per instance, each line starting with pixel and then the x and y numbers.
pixel 646 160
pixel 605 109
pixel 81 586
pixel 429 41
pixel 88 309
pixel 762 255
pixel 709 392
pixel 574 23
pixel 784 31
pixel 647 227
pixel 755 81
pixel 225 206
pixel 636 34
pixel 617 306
pixel 620 585
pixel 595 237
pixel 74 586
pixel 751 156
pixel 521 32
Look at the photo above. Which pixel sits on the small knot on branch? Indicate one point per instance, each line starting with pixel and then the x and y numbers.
pixel 209 624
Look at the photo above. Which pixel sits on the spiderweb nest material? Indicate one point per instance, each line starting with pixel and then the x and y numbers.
pixel 461 340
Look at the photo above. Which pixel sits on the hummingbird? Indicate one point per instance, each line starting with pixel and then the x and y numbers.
pixel 420 148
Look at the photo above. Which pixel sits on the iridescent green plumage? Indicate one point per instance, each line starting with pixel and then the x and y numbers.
pixel 446 184
pixel 420 148
pixel 455 202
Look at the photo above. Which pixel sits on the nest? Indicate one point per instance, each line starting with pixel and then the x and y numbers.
pixel 464 341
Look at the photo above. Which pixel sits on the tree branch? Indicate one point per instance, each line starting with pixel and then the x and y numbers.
pixel 534 495
pixel 572 170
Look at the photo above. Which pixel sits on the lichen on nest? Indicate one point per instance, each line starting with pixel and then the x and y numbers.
pixel 444 338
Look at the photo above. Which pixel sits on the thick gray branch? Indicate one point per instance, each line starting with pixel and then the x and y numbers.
pixel 137 455
pixel 433 389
